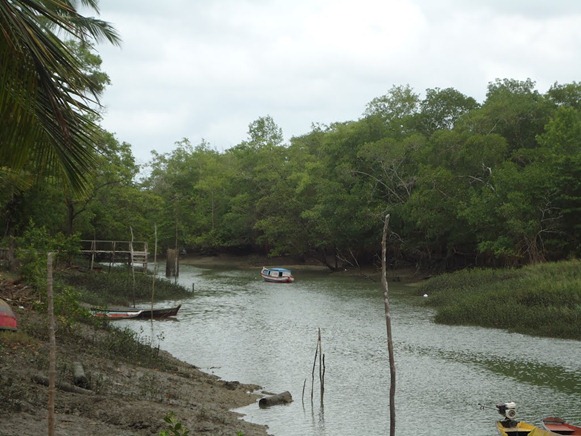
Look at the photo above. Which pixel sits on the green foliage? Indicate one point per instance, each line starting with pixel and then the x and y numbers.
pixel 495 183
pixel 542 300
pixel 67 307
pixel 175 427
pixel 128 345
pixel 33 249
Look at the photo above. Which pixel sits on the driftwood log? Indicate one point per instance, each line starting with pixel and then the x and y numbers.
pixel 42 380
pixel 79 377
pixel 273 400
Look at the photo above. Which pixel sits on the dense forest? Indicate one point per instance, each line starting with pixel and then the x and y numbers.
pixel 496 183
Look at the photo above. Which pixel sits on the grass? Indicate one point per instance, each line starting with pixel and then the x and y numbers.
pixel 539 300
pixel 76 324
pixel 120 287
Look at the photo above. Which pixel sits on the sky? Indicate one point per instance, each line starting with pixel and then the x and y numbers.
pixel 206 69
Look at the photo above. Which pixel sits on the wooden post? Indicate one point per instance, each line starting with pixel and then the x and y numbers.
pixel 321 356
pixel 171 263
pixel 313 372
pixel 321 367
pixel 52 349
pixel 177 264
pixel 93 248
pixel 132 267
pixel 154 275
pixel 114 248
pixel 388 325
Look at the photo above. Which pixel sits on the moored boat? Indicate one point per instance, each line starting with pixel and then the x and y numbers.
pixel 521 428
pixel 509 426
pixel 7 318
pixel 133 312
pixel 117 313
pixel 560 426
pixel 157 313
pixel 277 275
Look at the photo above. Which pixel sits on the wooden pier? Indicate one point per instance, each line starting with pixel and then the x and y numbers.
pixel 133 253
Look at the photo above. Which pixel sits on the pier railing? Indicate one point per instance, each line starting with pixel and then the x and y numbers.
pixel 135 253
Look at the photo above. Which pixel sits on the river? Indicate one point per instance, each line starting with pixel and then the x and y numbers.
pixel 448 379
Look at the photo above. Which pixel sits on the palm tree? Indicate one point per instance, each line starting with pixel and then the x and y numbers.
pixel 47 104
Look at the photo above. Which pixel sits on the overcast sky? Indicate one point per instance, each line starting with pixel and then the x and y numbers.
pixel 206 69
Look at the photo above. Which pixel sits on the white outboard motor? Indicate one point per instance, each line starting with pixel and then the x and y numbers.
pixel 508 410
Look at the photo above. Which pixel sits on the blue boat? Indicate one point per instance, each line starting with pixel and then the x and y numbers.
pixel 277 275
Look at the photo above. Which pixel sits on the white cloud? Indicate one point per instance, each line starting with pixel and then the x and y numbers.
pixel 208 69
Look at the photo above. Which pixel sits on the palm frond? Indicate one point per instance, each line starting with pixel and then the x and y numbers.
pixel 46 101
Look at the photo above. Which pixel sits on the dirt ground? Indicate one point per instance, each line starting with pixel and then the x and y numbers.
pixel 122 398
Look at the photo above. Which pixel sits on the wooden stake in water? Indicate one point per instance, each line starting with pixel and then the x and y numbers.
pixel 388 325
pixel 321 356
pixel 313 372
pixel 321 368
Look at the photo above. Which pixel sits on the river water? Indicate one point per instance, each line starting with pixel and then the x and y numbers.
pixel 448 379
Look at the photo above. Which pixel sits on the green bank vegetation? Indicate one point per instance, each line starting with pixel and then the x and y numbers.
pixel 540 300
pixel 74 320
pixel 75 287
pixel 120 286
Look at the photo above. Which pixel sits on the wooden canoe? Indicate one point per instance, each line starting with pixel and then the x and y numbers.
pixel 520 428
pixel 158 313
pixel 560 426
pixel 115 313
pixel 134 312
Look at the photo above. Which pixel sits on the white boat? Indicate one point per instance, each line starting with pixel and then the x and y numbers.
pixel 277 275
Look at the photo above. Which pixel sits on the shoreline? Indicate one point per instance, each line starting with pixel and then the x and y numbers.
pixel 403 274
pixel 247 261
pixel 126 395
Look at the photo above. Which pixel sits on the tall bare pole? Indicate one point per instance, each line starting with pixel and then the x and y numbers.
pixel 52 349
pixel 176 260
pixel 154 269
pixel 132 268
pixel 388 325
pixel 321 368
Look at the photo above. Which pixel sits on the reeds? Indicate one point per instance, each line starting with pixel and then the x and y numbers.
pixel 117 287
pixel 540 300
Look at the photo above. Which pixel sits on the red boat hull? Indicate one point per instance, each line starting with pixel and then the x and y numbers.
pixel 560 426
pixel 7 318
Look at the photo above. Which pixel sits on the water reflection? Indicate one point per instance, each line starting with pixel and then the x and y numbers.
pixel 241 328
